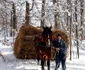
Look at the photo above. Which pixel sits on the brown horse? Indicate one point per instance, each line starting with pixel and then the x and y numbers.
pixel 43 48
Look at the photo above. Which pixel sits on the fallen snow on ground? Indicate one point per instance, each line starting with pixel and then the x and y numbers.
pixel 12 63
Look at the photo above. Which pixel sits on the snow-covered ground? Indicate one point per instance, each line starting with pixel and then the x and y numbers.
pixel 12 63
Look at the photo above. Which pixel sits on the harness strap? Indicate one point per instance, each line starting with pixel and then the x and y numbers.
pixel 42 39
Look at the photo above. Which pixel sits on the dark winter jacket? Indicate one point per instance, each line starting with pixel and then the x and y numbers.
pixel 60 44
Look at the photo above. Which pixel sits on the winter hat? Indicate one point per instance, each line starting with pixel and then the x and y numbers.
pixel 58 35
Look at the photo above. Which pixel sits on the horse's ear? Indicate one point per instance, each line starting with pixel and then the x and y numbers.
pixel 51 27
pixel 43 27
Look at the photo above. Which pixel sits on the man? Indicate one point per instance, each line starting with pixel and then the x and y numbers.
pixel 60 47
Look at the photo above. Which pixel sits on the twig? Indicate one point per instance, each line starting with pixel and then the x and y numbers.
pixel 2 57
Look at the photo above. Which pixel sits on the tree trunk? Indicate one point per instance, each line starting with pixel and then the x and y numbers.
pixel 77 44
pixel 82 17
pixel 69 10
pixel 43 13
pixel 6 25
pixel 6 20
pixel 14 21
pixel 56 18
pixel 69 22
pixel 77 41
pixel 27 14
pixel 4 29
pixel 11 26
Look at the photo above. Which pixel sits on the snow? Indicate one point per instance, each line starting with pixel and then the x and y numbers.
pixel 6 48
pixel 12 63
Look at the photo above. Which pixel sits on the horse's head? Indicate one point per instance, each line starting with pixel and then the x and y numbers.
pixel 46 32
pixel 47 35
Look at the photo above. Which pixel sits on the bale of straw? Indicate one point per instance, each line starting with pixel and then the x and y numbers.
pixel 24 47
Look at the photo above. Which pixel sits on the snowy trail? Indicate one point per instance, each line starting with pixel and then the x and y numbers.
pixel 15 64
pixel 31 65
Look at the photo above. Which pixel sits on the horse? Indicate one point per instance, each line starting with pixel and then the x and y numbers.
pixel 43 48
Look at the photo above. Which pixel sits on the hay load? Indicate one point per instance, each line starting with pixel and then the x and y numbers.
pixel 24 47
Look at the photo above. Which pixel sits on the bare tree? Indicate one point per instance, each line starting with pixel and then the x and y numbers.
pixel 69 22
pixel 27 13
pixel 4 16
pixel 43 13
pixel 82 16
pixel 77 44
pixel 56 16
pixel 11 24
pixel 32 5
pixel 14 19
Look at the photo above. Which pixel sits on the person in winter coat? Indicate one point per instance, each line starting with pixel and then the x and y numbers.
pixel 60 48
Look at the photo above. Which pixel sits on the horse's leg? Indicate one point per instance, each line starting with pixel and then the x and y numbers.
pixel 38 55
pixel 44 58
pixel 48 64
pixel 42 64
pixel 38 59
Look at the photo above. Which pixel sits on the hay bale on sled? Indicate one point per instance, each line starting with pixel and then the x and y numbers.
pixel 24 47
pixel 65 37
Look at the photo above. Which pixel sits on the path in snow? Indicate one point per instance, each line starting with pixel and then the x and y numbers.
pixel 15 64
